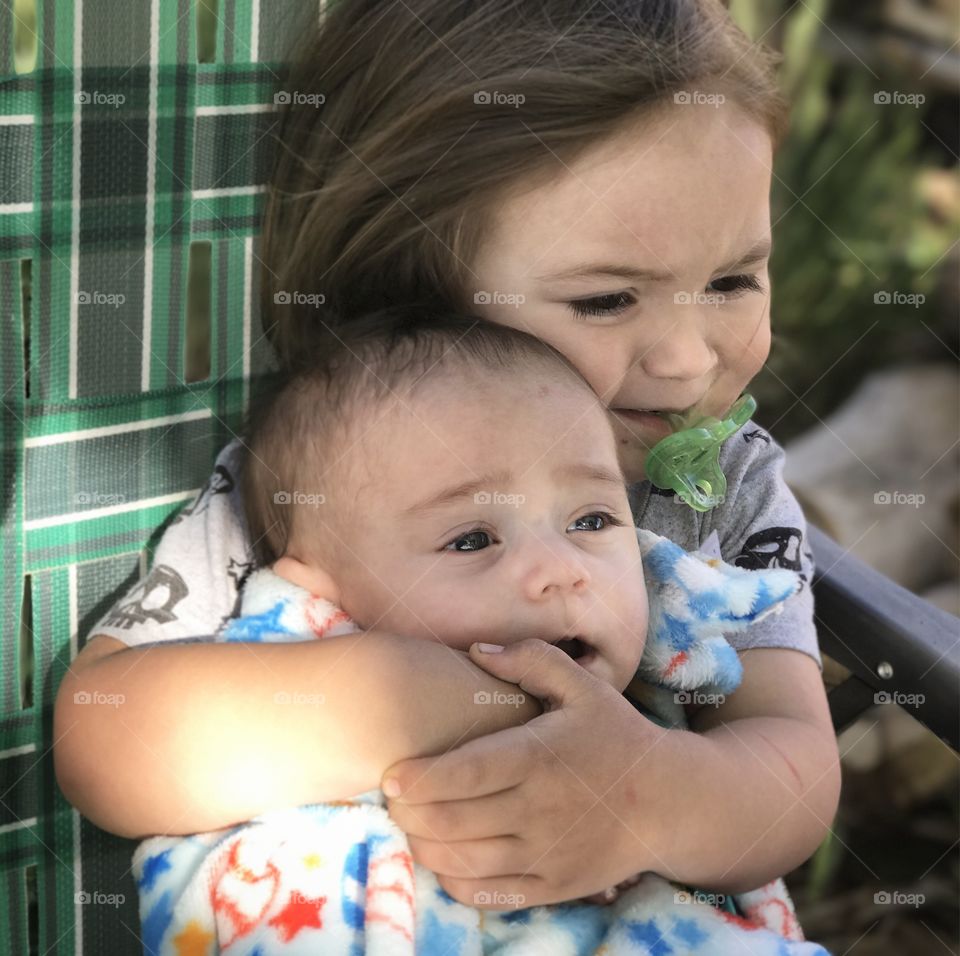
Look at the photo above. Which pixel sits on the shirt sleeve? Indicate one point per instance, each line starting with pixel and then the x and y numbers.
pixel 760 525
pixel 193 586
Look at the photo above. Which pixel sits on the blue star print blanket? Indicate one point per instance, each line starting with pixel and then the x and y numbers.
pixel 339 880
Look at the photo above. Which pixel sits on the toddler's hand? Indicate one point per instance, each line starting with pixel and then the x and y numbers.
pixel 541 813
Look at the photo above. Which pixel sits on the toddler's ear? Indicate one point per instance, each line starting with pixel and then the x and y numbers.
pixel 308 576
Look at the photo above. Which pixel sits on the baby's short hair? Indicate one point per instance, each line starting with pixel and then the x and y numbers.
pixel 300 429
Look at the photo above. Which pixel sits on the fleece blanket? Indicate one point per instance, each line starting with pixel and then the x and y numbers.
pixel 338 879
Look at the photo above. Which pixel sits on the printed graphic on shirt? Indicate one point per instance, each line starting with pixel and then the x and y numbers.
pixel 772 548
pixel 219 483
pixel 757 433
pixel 238 571
pixel 154 598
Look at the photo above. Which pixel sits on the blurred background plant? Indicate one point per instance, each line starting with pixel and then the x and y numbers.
pixel 866 213
pixel 865 199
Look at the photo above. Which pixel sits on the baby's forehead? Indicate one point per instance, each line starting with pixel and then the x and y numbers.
pixel 457 432
pixel 474 398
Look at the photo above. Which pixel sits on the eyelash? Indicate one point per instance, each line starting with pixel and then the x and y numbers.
pixel 584 308
pixel 610 519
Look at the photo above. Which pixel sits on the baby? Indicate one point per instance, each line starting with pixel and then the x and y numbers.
pixel 454 481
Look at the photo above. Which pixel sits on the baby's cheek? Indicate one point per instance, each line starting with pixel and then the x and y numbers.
pixel 635 612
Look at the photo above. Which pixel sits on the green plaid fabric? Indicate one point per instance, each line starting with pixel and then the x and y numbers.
pixel 117 152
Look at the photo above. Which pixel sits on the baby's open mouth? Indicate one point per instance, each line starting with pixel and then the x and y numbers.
pixel 573 647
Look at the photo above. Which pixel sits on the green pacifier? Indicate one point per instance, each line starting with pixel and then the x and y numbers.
pixel 688 461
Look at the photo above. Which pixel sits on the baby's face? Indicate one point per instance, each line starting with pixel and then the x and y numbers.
pixel 491 510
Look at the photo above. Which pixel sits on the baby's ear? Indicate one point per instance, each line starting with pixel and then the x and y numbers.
pixel 310 577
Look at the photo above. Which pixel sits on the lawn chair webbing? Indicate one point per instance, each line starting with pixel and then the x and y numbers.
pixel 117 152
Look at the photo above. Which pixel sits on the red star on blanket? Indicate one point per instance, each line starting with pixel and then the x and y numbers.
pixel 301 912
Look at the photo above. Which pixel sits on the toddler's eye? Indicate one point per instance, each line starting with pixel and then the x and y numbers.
pixel 734 285
pixel 596 522
pixel 601 305
pixel 471 541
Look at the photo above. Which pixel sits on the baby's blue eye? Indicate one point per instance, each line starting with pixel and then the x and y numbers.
pixel 596 522
pixel 471 541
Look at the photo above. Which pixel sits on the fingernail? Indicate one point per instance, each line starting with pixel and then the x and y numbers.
pixel 489 648
pixel 391 787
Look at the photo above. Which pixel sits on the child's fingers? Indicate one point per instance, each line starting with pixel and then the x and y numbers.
pixel 480 767
pixel 540 669
pixel 467 859
pixel 457 821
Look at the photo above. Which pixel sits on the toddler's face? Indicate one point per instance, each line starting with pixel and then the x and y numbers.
pixel 490 509
pixel 683 202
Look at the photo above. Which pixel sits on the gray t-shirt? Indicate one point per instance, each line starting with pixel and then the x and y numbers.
pixel 204 557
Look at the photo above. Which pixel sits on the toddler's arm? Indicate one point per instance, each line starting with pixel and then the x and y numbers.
pixel 181 737
pixel 762 781
pixel 775 769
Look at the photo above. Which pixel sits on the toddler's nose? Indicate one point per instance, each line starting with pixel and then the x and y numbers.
pixel 678 351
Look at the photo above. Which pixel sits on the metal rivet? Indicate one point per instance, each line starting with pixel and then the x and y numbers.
pixel 885 670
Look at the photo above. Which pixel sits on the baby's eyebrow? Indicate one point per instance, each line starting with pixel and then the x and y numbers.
pixel 467 489
pixel 589 472
pixel 502 480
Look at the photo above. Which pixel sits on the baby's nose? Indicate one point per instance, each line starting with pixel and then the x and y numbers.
pixel 555 569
